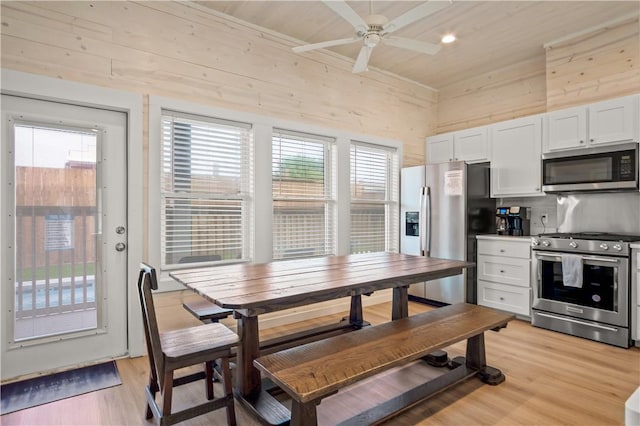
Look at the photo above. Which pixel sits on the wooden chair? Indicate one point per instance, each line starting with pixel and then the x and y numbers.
pixel 172 350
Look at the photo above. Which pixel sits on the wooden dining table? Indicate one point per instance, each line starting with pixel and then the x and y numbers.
pixel 255 289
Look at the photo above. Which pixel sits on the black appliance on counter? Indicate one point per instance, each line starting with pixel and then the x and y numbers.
pixel 513 221
pixel 595 307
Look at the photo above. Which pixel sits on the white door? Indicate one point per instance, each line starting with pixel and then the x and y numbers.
pixel 64 206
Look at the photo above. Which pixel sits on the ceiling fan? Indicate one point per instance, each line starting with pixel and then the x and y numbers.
pixel 376 29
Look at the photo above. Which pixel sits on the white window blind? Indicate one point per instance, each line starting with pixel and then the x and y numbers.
pixel 205 189
pixel 374 198
pixel 303 196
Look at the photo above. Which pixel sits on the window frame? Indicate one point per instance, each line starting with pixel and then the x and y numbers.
pixel 244 195
pixel 391 201
pixel 329 193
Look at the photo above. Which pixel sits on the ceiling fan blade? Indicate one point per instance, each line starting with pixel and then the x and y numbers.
pixel 344 10
pixel 363 60
pixel 425 9
pixel 415 45
pixel 321 45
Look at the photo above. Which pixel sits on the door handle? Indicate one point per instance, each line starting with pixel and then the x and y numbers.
pixel 121 246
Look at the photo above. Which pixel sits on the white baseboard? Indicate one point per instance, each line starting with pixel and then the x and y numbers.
pixel 303 313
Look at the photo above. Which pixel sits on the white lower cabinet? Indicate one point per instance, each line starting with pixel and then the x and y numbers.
pixel 504 274
pixel 504 297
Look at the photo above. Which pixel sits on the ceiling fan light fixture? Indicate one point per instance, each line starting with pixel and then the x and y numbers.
pixel 448 38
pixel 371 40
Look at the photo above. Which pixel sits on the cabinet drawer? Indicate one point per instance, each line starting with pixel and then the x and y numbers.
pixel 505 270
pixel 504 297
pixel 520 248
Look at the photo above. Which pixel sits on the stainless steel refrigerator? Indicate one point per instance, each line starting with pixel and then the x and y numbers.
pixel 443 208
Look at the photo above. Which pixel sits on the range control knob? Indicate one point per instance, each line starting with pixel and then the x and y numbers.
pixel 534 242
pixel 573 244
pixel 617 247
pixel 604 246
pixel 546 243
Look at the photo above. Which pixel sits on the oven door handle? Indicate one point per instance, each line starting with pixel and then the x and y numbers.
pixel 601 259
pixel 555 256
pixel 575 321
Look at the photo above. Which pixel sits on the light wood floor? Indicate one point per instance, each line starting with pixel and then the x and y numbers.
pixel 552 379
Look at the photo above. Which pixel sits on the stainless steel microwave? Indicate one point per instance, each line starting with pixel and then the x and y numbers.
pixel 601 171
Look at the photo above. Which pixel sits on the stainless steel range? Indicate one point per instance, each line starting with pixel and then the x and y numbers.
pixel 583 285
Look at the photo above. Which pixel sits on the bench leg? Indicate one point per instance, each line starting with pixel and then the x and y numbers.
pixel 303 414
pixel 476 359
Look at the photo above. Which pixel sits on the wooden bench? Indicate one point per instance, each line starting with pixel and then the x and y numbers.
pixel 206 311
pixel 316 370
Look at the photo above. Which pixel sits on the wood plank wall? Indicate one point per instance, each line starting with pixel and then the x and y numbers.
pixel 515 91
pixel 184 51
pixel 602 65
pixel 599 66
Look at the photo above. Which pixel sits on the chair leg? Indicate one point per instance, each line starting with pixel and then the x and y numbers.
pixel 228 392
pixel 166 392
pixel 208 381
pixel 153 389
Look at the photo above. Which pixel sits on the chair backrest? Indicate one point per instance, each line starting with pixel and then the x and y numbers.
pixel 147 281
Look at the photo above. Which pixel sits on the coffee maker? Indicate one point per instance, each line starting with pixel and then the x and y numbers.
pixel 513 220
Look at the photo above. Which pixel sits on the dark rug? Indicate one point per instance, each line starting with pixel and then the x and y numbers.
pixel 41 390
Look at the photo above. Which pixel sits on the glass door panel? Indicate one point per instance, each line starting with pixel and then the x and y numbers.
pixel 56 230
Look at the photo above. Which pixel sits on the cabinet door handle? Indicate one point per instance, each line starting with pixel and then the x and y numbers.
pixel 581 141
pixel 592 140
pixel 502 271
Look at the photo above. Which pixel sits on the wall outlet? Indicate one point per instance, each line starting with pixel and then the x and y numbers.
pixel 544 218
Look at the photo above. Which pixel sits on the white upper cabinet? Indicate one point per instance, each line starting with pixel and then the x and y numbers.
pixel 470 145
pixel 614 121
pixel 565 129
pixel 608 122
pixel 515 157
pixel 440 148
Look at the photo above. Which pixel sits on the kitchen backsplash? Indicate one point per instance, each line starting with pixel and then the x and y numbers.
pixel 615 212
pixel 595 212
pixel 539 206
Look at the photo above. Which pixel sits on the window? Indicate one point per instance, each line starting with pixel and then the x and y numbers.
pixel 205 189
pixel 374 198
pixel 303 196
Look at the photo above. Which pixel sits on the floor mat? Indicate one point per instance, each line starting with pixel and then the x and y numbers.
pixel 41 390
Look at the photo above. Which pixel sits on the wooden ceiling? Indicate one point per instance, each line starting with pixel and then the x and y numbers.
pixel 491 34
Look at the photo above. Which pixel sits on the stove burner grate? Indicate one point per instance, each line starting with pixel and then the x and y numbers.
pixel 598 236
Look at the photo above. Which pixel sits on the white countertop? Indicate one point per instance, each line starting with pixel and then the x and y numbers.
pixel 504 237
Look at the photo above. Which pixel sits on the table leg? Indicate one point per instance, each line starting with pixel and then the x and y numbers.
pixel 400 308
pixel 356 317
pixel 247 376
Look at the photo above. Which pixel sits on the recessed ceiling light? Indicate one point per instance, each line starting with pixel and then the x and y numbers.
pixel 448 38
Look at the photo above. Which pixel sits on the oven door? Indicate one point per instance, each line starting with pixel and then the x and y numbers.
pixel 603 296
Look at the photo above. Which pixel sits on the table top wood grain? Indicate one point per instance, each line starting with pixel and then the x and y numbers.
pixel 267 287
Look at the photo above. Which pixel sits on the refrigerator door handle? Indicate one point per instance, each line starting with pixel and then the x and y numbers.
pixel 421 222
pixel 425 219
